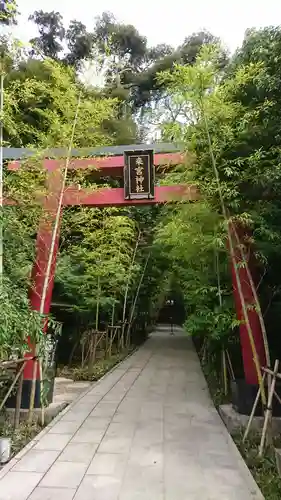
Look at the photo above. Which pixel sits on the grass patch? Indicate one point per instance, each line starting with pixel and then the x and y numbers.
pixel 100 368
pixel 215 385
pixel 263 469
pixel 21 436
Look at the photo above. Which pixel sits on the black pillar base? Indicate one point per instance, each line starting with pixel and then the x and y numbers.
pixel 26 392
pixel 244 395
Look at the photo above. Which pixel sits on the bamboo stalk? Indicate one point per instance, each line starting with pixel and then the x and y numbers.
pixel 18 399
pixel 41 393
pixel 257 302
pixel 268 412
pixel 98 303
pixel 1 168
pixel 230 365
pixel 58 213
pixel 232 255
pixel 128 285
pixel 218 278
pixel 115 294
pixel 224 368
pixel 83 353
pixel 113 314
pixel 135 300
pixel 32 393
pixel 106 343
pixel 55 232
pixel 253 288
pixel 94 349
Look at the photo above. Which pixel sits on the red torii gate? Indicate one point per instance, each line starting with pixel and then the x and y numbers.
pixel 113 166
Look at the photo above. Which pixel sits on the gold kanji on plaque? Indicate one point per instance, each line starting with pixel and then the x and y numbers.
pixel 138 174
pixel 139 170
pixel 139 161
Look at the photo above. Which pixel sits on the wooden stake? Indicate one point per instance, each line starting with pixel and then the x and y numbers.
pixel 268 412
pixel 12 386
pixel 252 413
pixel 277 397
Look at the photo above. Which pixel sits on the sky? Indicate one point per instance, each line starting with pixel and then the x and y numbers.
pixel 169 24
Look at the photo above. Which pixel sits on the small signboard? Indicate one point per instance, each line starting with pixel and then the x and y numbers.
pixel 138 175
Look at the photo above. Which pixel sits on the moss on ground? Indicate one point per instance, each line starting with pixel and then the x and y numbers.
pixel 100 368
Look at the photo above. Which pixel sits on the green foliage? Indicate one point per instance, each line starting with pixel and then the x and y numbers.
pixel 263 469
pixel 194 91
pixel 191 236
pixel 41 99
pixel 17 320
pixel 53 37
pixel 94 264
pixel 241 112
pixel 20 437
pixel 93 374
pixel 8 12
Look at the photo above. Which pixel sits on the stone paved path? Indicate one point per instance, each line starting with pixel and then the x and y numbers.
pixel 146 431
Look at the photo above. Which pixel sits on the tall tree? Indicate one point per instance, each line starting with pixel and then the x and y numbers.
pixel 71 46
pixel 8 12
pixel 51 33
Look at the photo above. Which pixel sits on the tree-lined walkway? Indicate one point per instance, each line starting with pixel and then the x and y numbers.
pixel 146 431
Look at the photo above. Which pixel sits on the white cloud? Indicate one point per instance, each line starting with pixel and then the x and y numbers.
pixel 170 23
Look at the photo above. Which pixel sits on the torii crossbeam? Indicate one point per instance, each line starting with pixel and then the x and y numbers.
pixel 111 163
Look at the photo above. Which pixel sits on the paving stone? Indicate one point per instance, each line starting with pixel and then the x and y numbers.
pixel 93 423
pixel 104 410
pixel 125 419
pixel 85 406
pixel 78 452
pixel 146 455
pixel 99 488
pixel 36 461
pixel 104 464
pixel 144 494
pixel 88 435
pixel 18 485
pixel 141 483
pixel 75 416
pixel 146 431
pixel 56 442
pixel 115 444
pixel 64 475
pixel 116 429
pixel 52 494
pixel 63 427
